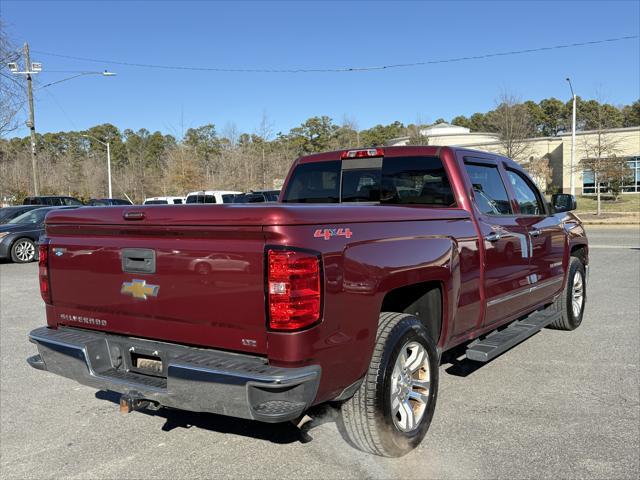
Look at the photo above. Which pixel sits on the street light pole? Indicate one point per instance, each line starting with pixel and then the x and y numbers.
pixel 109 168
pixel 573 141
pixel 108 145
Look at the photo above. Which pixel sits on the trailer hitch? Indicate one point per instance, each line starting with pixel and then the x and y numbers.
pixel 133 401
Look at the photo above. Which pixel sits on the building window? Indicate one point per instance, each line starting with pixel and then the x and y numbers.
pixel 630 183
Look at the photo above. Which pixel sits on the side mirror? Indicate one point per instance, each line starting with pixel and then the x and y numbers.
pixel 563 202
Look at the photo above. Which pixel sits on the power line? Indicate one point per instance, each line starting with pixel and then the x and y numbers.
pixel 341 69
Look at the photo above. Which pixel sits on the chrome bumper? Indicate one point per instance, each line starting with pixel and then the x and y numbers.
pixel 194 379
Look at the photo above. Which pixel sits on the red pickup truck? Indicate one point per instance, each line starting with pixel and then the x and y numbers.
pixel 372 264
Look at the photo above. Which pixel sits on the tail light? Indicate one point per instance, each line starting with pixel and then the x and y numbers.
pixel 294 289
pixel 43 271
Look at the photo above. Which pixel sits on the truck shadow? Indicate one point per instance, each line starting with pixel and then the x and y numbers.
pixel 280 433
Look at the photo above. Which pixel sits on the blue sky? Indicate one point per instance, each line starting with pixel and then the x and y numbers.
pixel 315 34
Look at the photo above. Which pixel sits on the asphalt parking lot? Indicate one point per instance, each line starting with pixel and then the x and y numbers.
pixel 560 405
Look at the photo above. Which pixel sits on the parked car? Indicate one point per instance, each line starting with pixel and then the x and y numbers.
pixel 19 237
pixel 106 202
pixel 164 201
pixel 9 213
pixel 212 196
pixel 375 263
pixel 257 196
pixel 52 200
pixel 216 262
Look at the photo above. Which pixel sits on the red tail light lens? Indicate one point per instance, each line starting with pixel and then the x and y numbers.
pixel 43 271
pixel 294 293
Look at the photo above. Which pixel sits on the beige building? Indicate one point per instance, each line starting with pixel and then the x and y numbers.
pixel 556 149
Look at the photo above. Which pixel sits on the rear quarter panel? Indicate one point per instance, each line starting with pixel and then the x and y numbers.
pixel 360 271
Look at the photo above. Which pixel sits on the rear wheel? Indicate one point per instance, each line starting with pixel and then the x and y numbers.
pixel 572 300
pixel 23 250
pixel 391 411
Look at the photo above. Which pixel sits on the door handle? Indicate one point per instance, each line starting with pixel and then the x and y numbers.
pixel 493 237
pixel 535 233
pixel 138 260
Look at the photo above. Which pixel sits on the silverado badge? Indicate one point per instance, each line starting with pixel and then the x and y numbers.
pixel 139 289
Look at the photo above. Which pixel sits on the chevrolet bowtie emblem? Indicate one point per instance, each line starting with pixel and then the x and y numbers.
pixel 139 289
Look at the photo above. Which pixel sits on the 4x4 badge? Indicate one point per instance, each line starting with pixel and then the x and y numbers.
pixel 139 289
pixel 328 233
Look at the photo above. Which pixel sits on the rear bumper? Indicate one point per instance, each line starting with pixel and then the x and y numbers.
pixel 194 379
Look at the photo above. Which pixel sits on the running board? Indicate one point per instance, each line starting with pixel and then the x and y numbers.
pixel 499 341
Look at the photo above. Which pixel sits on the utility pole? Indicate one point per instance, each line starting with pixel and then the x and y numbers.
pixel 29 70
pixel 109 169
pixel 32 121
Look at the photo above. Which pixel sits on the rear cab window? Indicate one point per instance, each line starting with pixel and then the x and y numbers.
pixel 418 180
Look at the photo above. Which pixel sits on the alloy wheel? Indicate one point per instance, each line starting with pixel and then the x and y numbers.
pixel 410 383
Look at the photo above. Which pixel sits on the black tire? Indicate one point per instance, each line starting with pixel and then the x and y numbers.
pixel 569 320
pixel 366 420
pixel 23 250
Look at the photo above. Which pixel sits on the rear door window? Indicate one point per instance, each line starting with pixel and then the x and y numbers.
pixel 489 191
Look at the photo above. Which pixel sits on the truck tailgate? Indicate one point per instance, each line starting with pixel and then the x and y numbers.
pixel 206 287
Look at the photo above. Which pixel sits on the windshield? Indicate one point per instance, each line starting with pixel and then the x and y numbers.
pixel 33 216
pixel 7 214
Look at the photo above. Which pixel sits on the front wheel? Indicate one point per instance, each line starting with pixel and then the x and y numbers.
pixel 391 412
pixel 23 251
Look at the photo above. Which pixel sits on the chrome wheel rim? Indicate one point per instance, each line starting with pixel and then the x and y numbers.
pixel 577 294
pixel 25 251
pixel 410 384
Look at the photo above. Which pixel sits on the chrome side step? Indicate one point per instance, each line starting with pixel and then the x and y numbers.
pixel 499 341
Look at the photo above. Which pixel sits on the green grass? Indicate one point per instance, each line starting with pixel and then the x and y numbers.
pixel 629 202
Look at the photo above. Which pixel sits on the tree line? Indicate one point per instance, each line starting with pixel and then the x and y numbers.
pixel 148 163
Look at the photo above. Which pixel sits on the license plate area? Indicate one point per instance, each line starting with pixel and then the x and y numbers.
pixel 147 362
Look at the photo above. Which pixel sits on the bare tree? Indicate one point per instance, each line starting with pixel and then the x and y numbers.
pixel 265 132
pixel 416 131
pixel 601 152
pixel 12 95
pixel 601 157
pixel 540 171
pixel 512 122
pixel 350 124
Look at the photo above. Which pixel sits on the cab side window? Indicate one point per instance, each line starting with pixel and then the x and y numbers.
pixel 526 194
pixel 489 191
